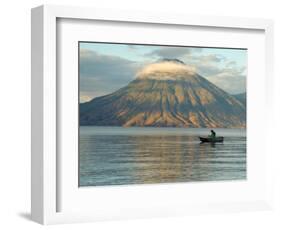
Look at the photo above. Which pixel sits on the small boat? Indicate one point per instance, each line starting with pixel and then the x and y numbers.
pixel 211 140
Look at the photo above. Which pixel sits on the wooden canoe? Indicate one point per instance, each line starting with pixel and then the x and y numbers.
pixel 211 140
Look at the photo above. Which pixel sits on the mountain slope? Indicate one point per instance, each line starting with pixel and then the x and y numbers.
pixel 241 97
pixel 166 94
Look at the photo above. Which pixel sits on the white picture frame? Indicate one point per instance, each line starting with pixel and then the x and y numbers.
pixel 46 183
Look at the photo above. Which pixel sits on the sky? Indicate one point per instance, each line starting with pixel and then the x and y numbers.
pixel 107 67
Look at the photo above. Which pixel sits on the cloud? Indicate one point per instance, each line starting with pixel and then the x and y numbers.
pixel 210 58
pixel 173 52
pixel 170 52
pixel 224 73
pixel 84 98
pixel 232 80
pixel 165 70
pixel 221 71
pixel 231 64
pixel 206 65
pixel 102 74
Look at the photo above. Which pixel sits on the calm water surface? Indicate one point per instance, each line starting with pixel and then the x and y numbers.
pixel 118 156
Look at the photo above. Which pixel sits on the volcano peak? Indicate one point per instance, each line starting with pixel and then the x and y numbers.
pixel 166 93
pixel 175 60
pixel 166 69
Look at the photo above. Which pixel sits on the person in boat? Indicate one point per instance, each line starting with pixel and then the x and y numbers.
pixel 213 134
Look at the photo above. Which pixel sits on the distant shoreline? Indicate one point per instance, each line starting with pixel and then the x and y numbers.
pixel 162 131
pixel 158 127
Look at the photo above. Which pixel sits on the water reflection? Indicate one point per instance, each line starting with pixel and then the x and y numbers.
pixel 141 159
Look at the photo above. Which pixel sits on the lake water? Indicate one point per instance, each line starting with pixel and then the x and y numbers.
pixel 120 156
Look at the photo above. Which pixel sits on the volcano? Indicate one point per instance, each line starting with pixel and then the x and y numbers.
pixel 167 93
